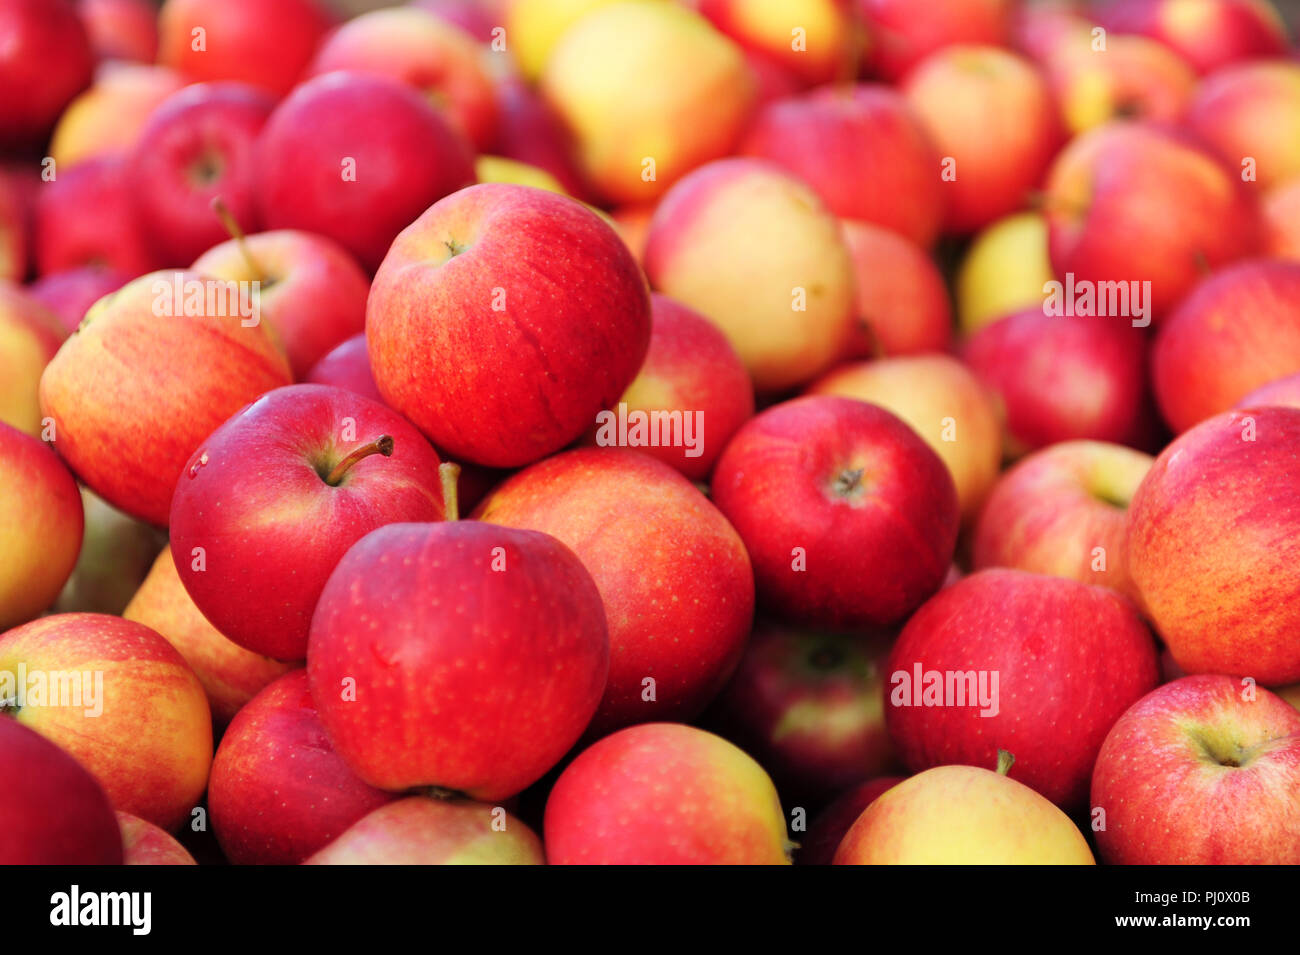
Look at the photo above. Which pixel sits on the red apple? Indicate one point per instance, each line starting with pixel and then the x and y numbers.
pixel 1280 391
pixel 676 583
pixel 121 29
pixel 1037 665
pixel 827 831
pixel 812 41
pixel 1130 77
pixel 1214 545
pixel 495 344
pixel 1252 110
pixel 17 198
pixel 52 812
pixel 459 655
pixel 529 130
pixel 45 61
pixel 86 217
pixel 1202 771
pixel 279 791
pixel 121 700
pixel 356 157
pixel 71 292
pixel 849 517
pixel 347 366
pixel 664 794
pixel 478 18
pixel 901 33
pixel 1207 33
pixel 29 337
pixel 1281 208
pixel 107 119
pixel 1037 28
pixel 143 843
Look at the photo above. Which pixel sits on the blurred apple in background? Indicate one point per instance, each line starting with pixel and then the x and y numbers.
pixel 537 25
pixel 1004 270
pixel 500 169
pixel 1207 33
pixel 347 366
pixel 116 553
pixel 900 300
pixel 476 17
pixel 107 119
pixel 30 335
pixel 1252 111
pixel 1280 391
pixel 143 843
pixel 70 292
pixel 901 33
pixel 46 61
pixel 1281 209
pixel 817 846
pixel 1131 77
pixel 121 29
pixel 766 30
pixel 529 130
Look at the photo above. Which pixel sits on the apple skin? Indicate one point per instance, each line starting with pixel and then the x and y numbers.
pixel 765 32
pixel 1070 659
pixel 347 365
pixel 690 368
pixel 158 774
pixel 736 240
pixel 1197 773
pixel 30 335
pixel 423 831
pixel 863 150
pixel 116 553
pixel 107 119
pixel 121 29
pixel 1004 271
pixel 1065 379
pixel 1252 109
pixel 197 146
pixel 1050 513
pixel 962 815
pixel 1281 208
pixel 313 292
pixel 1237 330
pixel 613 805
pixel 264 42
pixel 503 320
pixel 673 575
pixel 1280 391
pixel 46 61
pixel 991 113
pixel 528 129
pixel 59 815
pixel 462 677
pixel 356 158
pixel 167 382
pixel 1208 34
pixel 476 17
pixel 818 845
pixel 1038 28
pixel 874 547
pixel 1132 201
pixel 279 791
pixel 17 197
pixel 596 77
pixel 930 393
pixel 231 675
pixel 1133 78
pixel 86 217
pixel 902 33
pixel 143 843
pixel 809 706
pixel 40 510
pixel 412 46
pixel 70 293
pixel 1217 571
pixel 266 468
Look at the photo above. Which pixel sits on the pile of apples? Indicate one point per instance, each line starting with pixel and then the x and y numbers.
pixel 641 432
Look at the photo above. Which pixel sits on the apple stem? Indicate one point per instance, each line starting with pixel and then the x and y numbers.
pixel 847 482
pixel 231 226
pixel 450 474
pixel 1005 761
pixel 381 445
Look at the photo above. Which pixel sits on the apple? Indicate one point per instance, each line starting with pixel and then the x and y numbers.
pixel 902 33
pixel 828 829
pixel 943 402
pixel 422 831
pixel 528 129
pixel 751 248
pixel 30 336
pixel 121 700
pixel 40 510
pixel 1065 378
pixel 1252 110
pixel 1207 33
pixel 116 553
pixel 16 194
pixel 500 169
pixel 809 706
pixel 279 791
pixel 356 157
pixel 459 655
pixel 963 815
pixel 1039 665
pixel 1063 510
pixel 535 26
pixel 673 575
pixel 107 119
pixel 650 91
pixel 1134 202
pixel 1280 391
pixel 347 365
pixel 994 126
pixel 691 372
pixel 1290 693
pixel 1281 209
pixel 476 17
pixel 498 345
pixel 1202 771
pixel 86 217
pixel 813 41
pixel 231 675
pixel 437 59
pixel 1038 28
pixel 45 62
pixel 848 516
pixel 121 29
pixel 312 291
pixel 264 42
pixel 1003 271
pixel 1132 77
pixel 197 146
pixel 143 843
pixel 664 794
pixel 169 368
pixel 864 151
pixel 633 225
pixel 314 468
pixel 53 812
pixel 70 293
pixel 1237 330
pixel 1217 571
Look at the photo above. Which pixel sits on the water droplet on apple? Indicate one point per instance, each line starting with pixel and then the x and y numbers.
pixel 194 468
